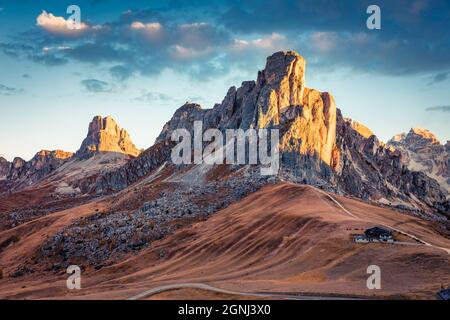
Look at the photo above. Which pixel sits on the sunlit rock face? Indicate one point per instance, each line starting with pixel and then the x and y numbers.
pixel 4 168
pixel 422 151
pixel 278 99
pixel 104 135
pixel 23 172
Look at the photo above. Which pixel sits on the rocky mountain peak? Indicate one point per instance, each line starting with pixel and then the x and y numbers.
pixel 422 136
pixel 285 74
pixel 4 168
pixel 55 154
pixel 359 127
pixel 422 151
pixel 277 98
pixel 105 135
pixel 415 138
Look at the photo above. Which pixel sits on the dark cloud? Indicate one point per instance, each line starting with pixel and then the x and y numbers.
pixel 440 77
pixel 204 39
pixel 439 108
pixel 149 96
pixel 38 54
pixel 414 37
pixel 26 76
pixel 94 85
pixel 9 91
pixel 121 72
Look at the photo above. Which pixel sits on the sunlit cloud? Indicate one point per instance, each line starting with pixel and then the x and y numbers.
pixel 59 25
pixel 181 52
pixel 150 30
pixel 272 42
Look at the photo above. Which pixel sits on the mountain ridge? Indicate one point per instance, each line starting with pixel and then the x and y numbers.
pixel 318 146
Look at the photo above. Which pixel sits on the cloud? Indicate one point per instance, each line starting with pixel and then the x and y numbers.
pixel 271 42
pixel 149 96
pixel 439 108
pixel 153 30
pixel 440 77
pixel 94 85
pixel 204 40
pixel 9 91
pixel 186 53
pixel 121 72
pixel 59 25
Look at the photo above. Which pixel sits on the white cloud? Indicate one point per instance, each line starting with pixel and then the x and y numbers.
pixel 193 26
pixel 273 41
pixel 151 31
pixel 153 27
pixel 324 41
pixel 58 25
pixel 180 52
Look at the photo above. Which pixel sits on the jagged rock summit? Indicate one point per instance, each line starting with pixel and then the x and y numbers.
pixel 105 135
pixel 278 99
pixel 422 151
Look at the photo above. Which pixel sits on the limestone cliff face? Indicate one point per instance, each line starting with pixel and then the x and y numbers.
pixel 104 135
pixel 22 172
pixel 278 99
pixel 4 168
pixel 311 127
pixel 421 151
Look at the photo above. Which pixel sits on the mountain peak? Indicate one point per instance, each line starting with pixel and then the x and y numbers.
pixel 285 73
pixel 105 135
pixel 359 127
pixel 415 138
pixel 424 134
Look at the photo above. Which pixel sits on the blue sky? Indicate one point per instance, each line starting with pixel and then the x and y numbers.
pixel 138 61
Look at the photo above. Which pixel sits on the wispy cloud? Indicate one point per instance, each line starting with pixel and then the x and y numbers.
pixel 439 108
pixel 94 85
pixel 149 96
pixel 121 72
pixel 440 77
pixel 9 91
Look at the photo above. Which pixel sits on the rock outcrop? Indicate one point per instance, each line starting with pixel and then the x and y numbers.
pixel 5 165
pixel 278 99
pixel 374 171
pixel 422 152
pixel 104 135
pixel 23 172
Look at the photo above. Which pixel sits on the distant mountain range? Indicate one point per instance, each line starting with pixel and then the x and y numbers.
pixel 318 146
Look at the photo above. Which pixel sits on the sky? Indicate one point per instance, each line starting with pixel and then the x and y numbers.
pixel 138 61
